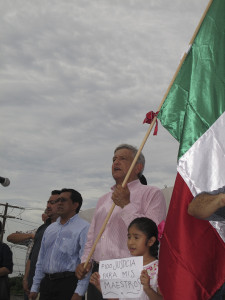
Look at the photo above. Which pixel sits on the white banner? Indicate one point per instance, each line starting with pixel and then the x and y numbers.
pixel 120 278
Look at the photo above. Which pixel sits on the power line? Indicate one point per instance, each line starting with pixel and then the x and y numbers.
pixel 31 208
pixel 5 216
pixel 24 222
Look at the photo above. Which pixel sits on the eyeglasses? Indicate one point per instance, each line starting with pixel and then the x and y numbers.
pixel 53 201
pixel 62 200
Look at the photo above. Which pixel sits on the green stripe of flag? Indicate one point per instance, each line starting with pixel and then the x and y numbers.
pixel 197 96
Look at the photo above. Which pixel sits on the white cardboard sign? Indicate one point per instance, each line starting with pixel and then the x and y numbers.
pixel 120 278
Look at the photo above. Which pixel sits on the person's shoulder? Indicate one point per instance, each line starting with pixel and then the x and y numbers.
pixel 136 184
pixel 82 222
pixel 52 225
pixel 48 231
pixel 5 247
pixel 41 227
pixel 49 227
pixel 153 193
pixel 151 188
pixel 152 265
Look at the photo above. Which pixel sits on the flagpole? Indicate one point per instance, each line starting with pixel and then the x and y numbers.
pixel 147 134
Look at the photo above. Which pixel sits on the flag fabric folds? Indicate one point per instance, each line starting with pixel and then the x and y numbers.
pixel 192 252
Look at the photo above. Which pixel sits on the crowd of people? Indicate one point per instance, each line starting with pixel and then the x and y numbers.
pixel 58 265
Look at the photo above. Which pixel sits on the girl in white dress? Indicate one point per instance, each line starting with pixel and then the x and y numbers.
pixel 142 240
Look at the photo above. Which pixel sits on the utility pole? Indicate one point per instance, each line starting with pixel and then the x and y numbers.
pixel 5 216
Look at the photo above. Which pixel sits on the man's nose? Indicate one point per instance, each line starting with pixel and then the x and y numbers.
pixel 116 161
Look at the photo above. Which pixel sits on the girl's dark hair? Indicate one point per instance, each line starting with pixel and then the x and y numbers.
pixel 149 228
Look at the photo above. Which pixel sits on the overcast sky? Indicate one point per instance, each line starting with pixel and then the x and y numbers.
pixel 77 79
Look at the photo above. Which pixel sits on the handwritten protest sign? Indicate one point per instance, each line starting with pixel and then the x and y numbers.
pixel 120 278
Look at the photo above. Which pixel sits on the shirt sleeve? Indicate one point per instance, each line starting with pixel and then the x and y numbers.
pixel 82 285
pixel 7 258
pixel 90 239
pixel 39 274
pixel 153 207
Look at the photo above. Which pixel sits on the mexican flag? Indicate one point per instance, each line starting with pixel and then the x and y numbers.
pixel 192 252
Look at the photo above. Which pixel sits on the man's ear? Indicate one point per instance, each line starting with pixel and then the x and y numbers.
pixel 151 241
pixel 138 168
pixel 75 205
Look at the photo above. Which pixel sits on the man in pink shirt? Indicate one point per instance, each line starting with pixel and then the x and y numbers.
pixel 133 201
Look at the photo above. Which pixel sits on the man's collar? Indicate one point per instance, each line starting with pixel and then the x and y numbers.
pixel 70 219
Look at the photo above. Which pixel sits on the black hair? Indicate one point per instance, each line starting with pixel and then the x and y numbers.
pixel 55 192
pixel 149 228
pixel 74 196
pixel 143 180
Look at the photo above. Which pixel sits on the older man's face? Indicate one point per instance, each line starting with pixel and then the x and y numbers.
pixel 122 161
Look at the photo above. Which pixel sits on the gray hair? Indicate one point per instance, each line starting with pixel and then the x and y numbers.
pixel 134 150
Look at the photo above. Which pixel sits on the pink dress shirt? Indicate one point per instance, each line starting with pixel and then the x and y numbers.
pixel 145 201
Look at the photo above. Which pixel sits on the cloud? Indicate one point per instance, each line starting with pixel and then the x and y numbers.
pixel 77 78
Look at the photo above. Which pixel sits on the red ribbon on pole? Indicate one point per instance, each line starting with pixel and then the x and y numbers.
pixel 161 229
pixel 149 118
